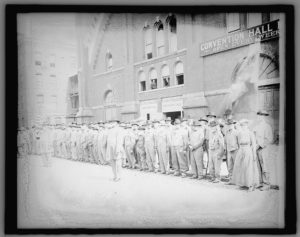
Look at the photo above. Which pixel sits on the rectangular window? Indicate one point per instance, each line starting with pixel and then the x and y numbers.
pixel 233 22
pixel 166 81
pixel 149 51
pixel 180 79
pixel 38 63
pixel 52 64
pixel 143 85
pixel 265 17
pixel 160 41
pixel 74 102
pixel 153 84
pixel 52 75
pixel 148 116
pixel 160 50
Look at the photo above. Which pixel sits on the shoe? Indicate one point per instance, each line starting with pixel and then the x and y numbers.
pixel 167 173
pixel 183 175
pixel 216 181
pixel 200 177
pixel 193 177
pixel 176 174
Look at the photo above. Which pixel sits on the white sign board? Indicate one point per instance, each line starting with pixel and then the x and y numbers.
pixel 171 104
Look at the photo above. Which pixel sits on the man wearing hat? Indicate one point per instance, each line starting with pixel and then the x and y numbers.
pixel 196 147
pixel 140 148
pixel 162 143
pixel 179 143
pixel 101 144
pixel 264 137
pixel 232 146
pixel 170 127
pixel 216 151
pixel 129 146
pixel 150 148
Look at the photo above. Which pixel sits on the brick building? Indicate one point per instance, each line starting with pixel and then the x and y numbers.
pixel 158 65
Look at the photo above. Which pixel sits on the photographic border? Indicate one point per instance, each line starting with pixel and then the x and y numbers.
pixel 11 110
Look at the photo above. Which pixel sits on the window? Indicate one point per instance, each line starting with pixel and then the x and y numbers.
pixel 53 103
pixel 52 64
pixel 265 17
pixel 109 61
pixel 160 38
pixel 165 72
pixel 38 63
pixel 74 101
pixel 52 75
pixel 233 22
pixel 153 79
pixel 39 103
pixel 109 98
pixel 172 32
pixel 142 80
pixel 179 73
pixel 148 42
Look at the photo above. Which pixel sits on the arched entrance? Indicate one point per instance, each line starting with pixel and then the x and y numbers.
pixel 110 105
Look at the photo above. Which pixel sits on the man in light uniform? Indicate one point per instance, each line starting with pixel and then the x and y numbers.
pixel 163 143
pixel 186 133
pixel 232 146
pixel 113 149
pixel 196 147
pixel 73 142
pixel 170 127
pixel 140 148
pixel 150 147
pixel 216 151
pixel 101 143
pixel 264 137
pixel 129 144
pixel 179 142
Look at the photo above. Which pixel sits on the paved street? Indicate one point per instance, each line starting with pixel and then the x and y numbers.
pixel 75 194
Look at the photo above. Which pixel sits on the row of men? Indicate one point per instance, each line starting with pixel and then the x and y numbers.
pixel 159 146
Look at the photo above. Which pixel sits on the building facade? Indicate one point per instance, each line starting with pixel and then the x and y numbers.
pixel 177 65
pixel 47 57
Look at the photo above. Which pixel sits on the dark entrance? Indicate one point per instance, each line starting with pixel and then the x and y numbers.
pixel 173 115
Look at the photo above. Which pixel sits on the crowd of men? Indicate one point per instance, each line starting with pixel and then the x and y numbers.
pixel 172 148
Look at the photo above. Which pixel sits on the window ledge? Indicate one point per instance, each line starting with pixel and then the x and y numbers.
pixel 159 89
pixel 153 60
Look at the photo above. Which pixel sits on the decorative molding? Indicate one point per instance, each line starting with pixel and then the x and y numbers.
pixel 159 89
pixel 108 72
pixel 216 92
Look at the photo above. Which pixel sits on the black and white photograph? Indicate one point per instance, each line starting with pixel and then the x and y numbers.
pixel 157 119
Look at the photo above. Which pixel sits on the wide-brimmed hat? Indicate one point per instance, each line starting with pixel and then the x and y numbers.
pixel 211 114
pixel 197 123
pixel 263 113
pixel 244 121
pixel 203 119
pixel 230 121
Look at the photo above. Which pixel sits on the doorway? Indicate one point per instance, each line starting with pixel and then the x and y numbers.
pixel 173 115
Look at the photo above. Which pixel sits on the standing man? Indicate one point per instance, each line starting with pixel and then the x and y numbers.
pixel 178 144
pixel 216 151
pixel 196 147
pixel 186 129
pixel 170 127
pixel 113 149
pixel 232 146
pixel 101 143
pixel 129 144
pixel 163 143
pixel 140 148
pixel 264 137
pixel 150 147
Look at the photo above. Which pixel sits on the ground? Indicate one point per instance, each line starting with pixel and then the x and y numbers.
pixel 74 194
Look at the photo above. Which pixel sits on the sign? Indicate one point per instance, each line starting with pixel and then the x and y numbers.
pixel 171 104
pixel 252 35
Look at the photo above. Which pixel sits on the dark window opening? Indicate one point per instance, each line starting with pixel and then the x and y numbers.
pixel 143 85
pixel 180 79
pixel 266 17
pixel 38 63
pixel 166 81
pixel 148 116
pixel 52 64
pixel 149 55
pixel 153 84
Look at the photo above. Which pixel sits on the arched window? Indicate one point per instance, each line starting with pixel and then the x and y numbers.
pixel 109 60
pixel 179 73
pixel 148 41
pixel 165 73
pixel 172 32
pixel 109 98
pixel 142 80
pixel 153 79
pixel 160 37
